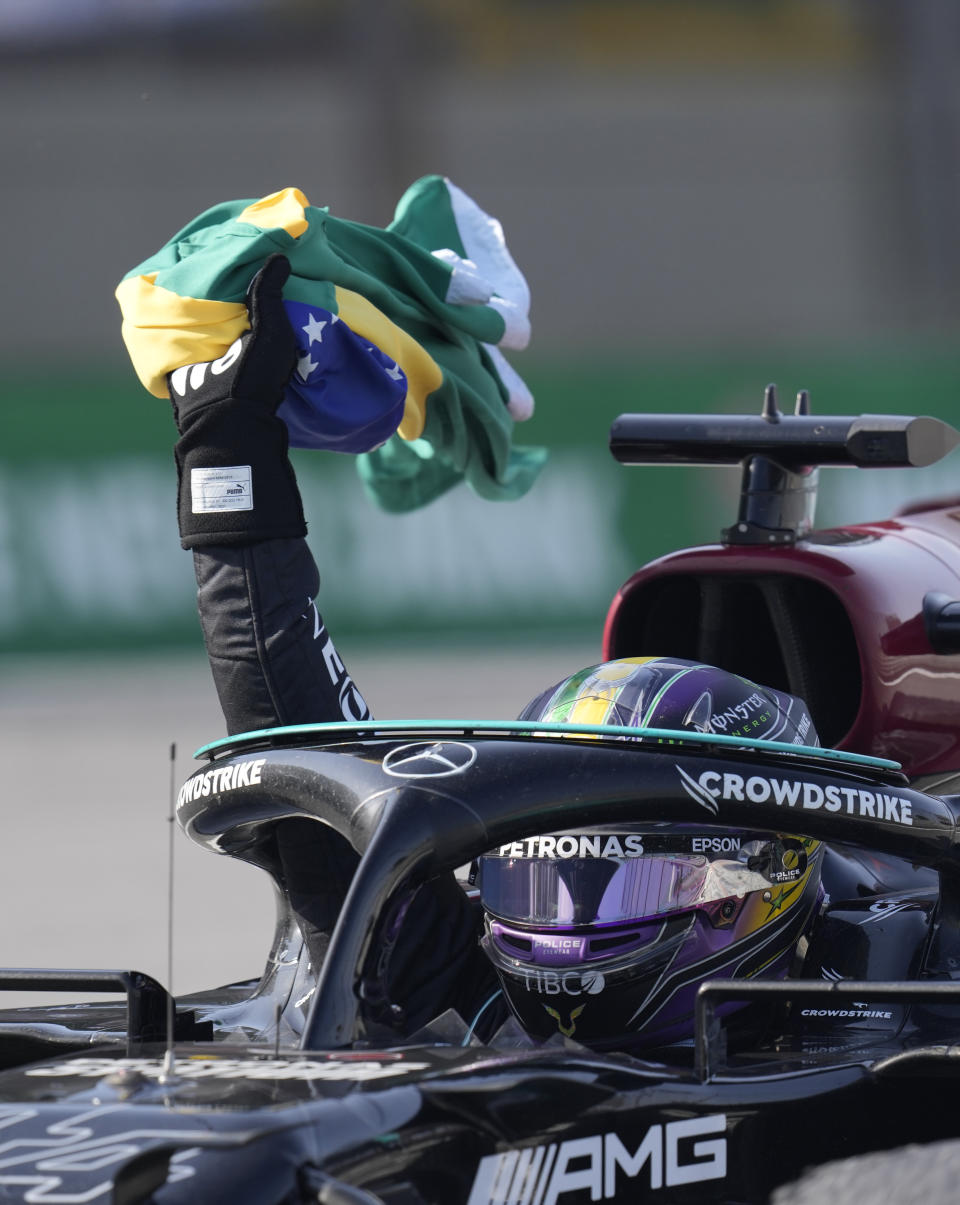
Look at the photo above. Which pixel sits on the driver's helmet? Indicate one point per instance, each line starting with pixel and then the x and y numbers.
pixel 604 934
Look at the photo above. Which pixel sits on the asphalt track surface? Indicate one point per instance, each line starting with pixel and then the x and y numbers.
pixel 86 794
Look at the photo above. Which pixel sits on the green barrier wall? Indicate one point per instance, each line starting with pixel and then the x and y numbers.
pixel 89 556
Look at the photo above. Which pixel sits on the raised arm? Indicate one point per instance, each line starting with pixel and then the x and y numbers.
pixel 239 510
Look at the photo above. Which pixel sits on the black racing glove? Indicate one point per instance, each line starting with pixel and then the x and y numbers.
pixel 236 484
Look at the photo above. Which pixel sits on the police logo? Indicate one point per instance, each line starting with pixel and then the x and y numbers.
pixel 439 760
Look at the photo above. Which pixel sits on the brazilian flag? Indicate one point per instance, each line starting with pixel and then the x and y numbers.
pixel 399 333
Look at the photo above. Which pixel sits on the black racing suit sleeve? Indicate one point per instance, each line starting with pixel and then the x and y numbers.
pixel 273 664
pixel 272 658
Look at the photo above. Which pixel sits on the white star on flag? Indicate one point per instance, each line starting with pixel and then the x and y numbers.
pixel 394 373
pixel 305 366
pixel 313 328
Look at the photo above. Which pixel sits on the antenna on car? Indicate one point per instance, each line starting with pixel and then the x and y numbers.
pixel 167 1072
pixel 780 455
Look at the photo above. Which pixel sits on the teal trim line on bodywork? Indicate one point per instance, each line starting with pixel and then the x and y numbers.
pixel 423 728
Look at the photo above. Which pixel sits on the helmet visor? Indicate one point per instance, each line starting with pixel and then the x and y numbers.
pixel 587 891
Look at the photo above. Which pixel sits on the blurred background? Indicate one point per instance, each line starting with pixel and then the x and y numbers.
pixel 704 196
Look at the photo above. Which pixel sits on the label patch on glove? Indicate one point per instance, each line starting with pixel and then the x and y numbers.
pixel 223 489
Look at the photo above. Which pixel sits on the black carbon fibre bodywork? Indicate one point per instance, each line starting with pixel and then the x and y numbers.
pixel 285 1090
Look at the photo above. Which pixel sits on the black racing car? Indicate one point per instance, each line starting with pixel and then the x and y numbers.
pixel 301 1087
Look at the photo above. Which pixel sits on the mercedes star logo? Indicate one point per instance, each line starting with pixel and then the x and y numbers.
pixel 439 760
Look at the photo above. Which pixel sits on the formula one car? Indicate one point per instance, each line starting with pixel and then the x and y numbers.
pixel 284 1090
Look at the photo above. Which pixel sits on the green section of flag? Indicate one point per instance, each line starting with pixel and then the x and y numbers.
pixel 215 256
